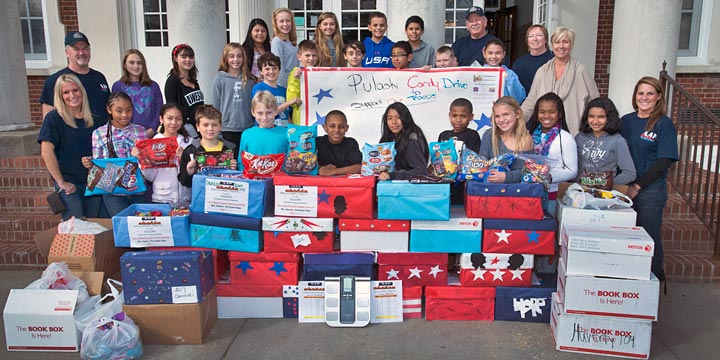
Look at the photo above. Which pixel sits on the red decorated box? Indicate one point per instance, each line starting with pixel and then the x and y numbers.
pixel 282 234
pixel 220 259
pixel 459 303
pixel 488 269
pixel 374 235
pixel 504 201
pixel 263 268
pixel 412 302
pixel 535 237
pixel 348 196
pixel 414 269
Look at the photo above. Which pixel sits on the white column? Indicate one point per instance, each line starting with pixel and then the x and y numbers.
pixel 200 24
pixel 247 10
pixel 645 34
pixel 13 82
pixel 432 13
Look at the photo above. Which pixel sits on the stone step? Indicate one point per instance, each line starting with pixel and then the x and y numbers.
pixel 25 201
pixel 26 163
pixel 19 228
pixel 21 257
pixel 689 236
pixel 25 180
pixel 682 267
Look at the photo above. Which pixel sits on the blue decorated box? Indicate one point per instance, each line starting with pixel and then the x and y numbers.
pixel 530 304
pixel 458 235
pixel 504 201
pixel 166 277
pixel 225 232
pixel 402 200
pixel 317 266
pixel 150 231
pixel 224 192
pixel 520 236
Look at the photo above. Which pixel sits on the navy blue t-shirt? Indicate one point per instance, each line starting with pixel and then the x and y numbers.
pixel 468 50
pixel 527 65
pixel 648 146
pixel 95 85
pixel 71 145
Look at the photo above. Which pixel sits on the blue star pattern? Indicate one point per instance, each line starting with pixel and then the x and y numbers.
pixel 319 119
pixel 483 122
pixel 533 237
pixel 278 267
pixel 324 197
pixel 323 94
pixel 245 266
pixel 276 233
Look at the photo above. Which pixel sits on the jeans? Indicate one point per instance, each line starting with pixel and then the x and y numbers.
pixel 78 205
pixel 116 203
pixel 649 205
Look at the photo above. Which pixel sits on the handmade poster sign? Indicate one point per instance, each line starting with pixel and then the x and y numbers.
pixel 364 94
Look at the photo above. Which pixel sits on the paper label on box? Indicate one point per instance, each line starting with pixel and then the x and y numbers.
pixel 311 302
pixel 150 231
pixel 184 294
pixel 296 200
pixel 226 196
pixel 300 240
pixel 386 302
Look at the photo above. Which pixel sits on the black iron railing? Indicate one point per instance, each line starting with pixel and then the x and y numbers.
pixel 696 175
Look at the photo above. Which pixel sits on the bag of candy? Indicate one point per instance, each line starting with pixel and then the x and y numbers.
pixel 536 171
pixel 157 153
pixel 378 158
pixel 443 159
pixel 210 160
pixel 302 154
pixel 261 166
pixel 472 166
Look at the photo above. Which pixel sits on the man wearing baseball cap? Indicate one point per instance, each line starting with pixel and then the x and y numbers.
pixel 77 51
pixel 468 49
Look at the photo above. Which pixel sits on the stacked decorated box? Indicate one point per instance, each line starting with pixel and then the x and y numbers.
pixel 607 297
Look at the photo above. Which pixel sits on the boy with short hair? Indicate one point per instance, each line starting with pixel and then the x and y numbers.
pixel 337 154
pixel 265 138
pixel 354 52
pixel 461 113
pixel 269 65
pixel 401 55
pixel 494 53
pixel 423 53
pixel 208 122
pixel 378 46
pixel 445 57
pixel 307 56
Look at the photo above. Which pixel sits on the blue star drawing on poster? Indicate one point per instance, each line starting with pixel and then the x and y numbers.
pixel 483 122
pixel 278 267
pixel 323 94
pixel 533 237
pixel 245 266
pixel 324 197
pixel 319 119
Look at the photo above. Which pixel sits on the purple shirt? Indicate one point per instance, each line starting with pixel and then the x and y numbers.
pixel 147 101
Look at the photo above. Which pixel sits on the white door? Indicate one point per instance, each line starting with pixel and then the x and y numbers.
pixel 151 35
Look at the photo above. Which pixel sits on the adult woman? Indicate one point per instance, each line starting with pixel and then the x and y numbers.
pixel 652 139
pixel 182 87
pixel 538 54
pixel 144 92
pixel 565 77
pixel 257 43
pixel 66 147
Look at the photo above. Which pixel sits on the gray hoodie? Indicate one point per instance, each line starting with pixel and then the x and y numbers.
pixel 232 97
pixel 605 153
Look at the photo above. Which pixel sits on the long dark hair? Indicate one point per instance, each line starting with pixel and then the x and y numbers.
pixel 181 130
pixel 408 129
pixel 612 126
pixel 249 44
pixel 187 50
pixel 554 98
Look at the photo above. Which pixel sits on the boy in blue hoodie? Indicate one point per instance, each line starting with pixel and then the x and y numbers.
pixel 378 46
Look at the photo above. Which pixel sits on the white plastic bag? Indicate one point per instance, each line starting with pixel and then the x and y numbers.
pixel 77 226
pixel 96 310
pixel 576 196
pixel 57 276
pixel 114 337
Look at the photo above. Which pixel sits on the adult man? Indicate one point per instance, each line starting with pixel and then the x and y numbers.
pixel 77 50
pixel 468 49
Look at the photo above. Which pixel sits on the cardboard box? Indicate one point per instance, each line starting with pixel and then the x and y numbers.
pixel 290 301
pixel 601 296
pixel 175 324
pixel 283 234
pixel 402 200
pixel 414 269
pixel 374 241
pixel 535 237
pixel 605 250
pixel 570 215
pixel 41 320
pixel 459 303
pixel 488 269
pixel 531 304
pixel 317 266
pixel 94 281
pixel 226 232
pixel 264 268
pixel 249 307
pixel 504 201
pixel 150 231
pixel 347 196
pixel 457 235
pixel 231 195
pixel 221 263
pixel 599 335
pixel 82 252
pixel 412 302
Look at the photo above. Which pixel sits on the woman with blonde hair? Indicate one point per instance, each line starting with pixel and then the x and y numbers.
pixel 66 147
pixel 329 42
pixel 284 43
pixel 507 136
pixel 565 77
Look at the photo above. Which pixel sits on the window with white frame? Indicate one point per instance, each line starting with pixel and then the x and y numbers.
pixel 543 12
pixel 306 13
pixel 155 20
pixel 355 17
pixel 33 29
pixel 455 19
pixel 690 15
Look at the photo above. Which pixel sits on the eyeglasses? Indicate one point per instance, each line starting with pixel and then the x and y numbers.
pixel 397 56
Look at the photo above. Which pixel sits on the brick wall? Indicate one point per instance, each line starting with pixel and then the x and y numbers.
pixel 68 16
pixel 704 86
pixel 604 45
